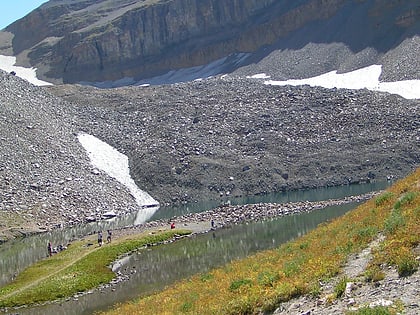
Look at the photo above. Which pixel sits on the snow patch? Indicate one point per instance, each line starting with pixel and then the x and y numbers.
pixel 115 164
pixel 258 76
pixel 359 79
pixel 409 89
pixel 7 63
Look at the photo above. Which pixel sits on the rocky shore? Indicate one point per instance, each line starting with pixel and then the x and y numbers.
pixel 225 216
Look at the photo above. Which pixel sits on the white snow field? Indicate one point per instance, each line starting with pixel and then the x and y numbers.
pixel 359 79
pixel 7 63
pixel 115 164
pixel 367 77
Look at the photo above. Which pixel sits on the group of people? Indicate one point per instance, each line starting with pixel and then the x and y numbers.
pixel 54 250
pixel 60 247
pixel 108 238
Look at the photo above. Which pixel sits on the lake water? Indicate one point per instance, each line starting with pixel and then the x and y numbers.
pixel 154 268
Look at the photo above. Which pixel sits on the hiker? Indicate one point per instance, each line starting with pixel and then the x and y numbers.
pixel 49 249
pixel 100 238
pixel 172 225
pixel 108 238
pixel 212 224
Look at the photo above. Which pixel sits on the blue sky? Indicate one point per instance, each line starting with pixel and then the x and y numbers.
pixel 12 10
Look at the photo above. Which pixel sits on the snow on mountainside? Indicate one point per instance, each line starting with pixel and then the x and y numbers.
pixel 108 41
pixel 359 79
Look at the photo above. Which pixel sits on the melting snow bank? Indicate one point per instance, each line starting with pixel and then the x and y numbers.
pixel 363 78
pixel 115 164
pixel 7 63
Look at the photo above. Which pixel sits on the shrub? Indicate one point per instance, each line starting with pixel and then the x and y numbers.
pixel 374 273
pixel 206 277
pixel 407 198
pixel 366 233
pixel 290 268
pixel 394 221
pixel 340 288
pixel 377 310
pixel 304 245
pixel 267 278
pixel 383 198
pixel 315 289
pixel 235 285
pixel 407 265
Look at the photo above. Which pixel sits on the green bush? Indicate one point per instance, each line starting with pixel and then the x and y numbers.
pixel 383 198
pixel 373 274
pixel 267 278
pixel 407 265
pixel 206 277
pixel 407 198
pixel 394 221
pixel 340 287
pixel 235 285
pixel 377 310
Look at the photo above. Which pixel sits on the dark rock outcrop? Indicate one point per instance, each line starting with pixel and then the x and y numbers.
pixel 86 40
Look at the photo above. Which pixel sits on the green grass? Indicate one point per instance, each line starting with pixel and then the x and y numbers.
pixel 260 282
pixel 378 310
pixel 340 288
pixel 77 269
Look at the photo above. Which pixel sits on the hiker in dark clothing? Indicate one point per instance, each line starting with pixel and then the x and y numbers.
pixel 108 238
pixel 100 238
pixel 49 249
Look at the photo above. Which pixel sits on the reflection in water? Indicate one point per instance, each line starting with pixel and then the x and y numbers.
pixel 154 268
pixel 318 194
pixel 144 215
pixel 18 254
pixel 154 271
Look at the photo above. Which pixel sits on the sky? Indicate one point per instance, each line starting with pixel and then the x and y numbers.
pixel 12 10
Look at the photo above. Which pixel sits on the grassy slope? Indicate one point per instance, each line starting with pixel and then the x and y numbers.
pixel 262 281
pixel 77 269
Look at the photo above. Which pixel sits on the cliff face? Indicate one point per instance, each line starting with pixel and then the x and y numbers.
pixel 87 40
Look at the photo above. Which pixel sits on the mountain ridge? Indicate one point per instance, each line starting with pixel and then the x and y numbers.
pixel 145 39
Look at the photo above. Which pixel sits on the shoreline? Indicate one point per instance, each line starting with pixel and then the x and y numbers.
pixel 200 223
pixel 226 216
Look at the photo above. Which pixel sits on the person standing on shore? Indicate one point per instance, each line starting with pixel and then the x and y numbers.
pixel 49 247
pixel 108 238
pixel 100 238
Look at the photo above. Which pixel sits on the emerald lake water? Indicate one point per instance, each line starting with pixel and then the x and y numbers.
pixel 152 269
